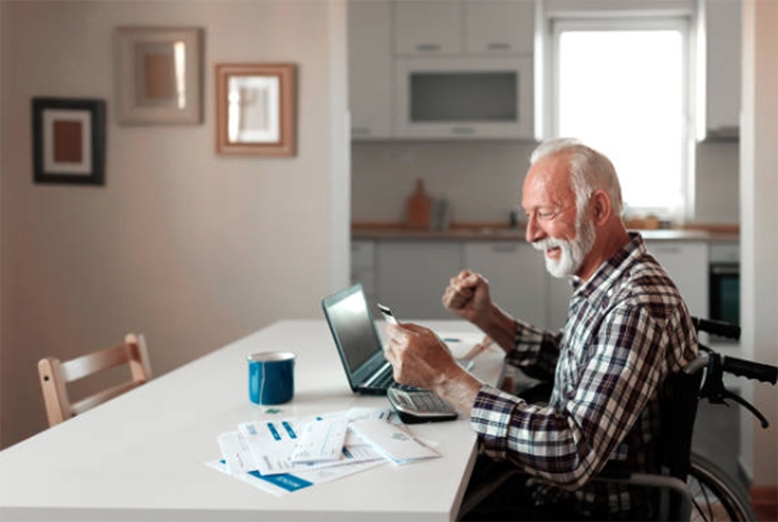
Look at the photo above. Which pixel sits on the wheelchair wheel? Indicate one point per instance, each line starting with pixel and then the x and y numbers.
pixel 716 496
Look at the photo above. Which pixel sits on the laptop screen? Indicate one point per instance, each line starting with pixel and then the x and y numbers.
pixel 352 325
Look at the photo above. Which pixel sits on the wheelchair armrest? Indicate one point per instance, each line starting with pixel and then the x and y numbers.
pixel 658 481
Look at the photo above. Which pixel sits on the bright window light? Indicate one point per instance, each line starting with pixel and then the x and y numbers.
pixel 624 92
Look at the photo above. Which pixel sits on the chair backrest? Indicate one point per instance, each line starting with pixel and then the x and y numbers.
pixel 678 403
pixel 55 375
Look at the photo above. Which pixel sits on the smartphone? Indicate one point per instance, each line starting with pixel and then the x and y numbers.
pixel 387 313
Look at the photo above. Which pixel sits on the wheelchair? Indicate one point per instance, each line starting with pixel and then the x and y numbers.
pixel 691 487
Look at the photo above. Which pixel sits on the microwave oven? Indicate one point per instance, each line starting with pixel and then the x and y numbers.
pixel 467 98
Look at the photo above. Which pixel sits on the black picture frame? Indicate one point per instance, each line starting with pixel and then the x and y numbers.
pixel 68 141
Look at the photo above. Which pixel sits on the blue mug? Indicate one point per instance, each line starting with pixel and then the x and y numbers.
pixel 271 377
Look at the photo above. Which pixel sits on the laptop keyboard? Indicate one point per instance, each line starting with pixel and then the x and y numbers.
pixel 383 380
pixel 386 379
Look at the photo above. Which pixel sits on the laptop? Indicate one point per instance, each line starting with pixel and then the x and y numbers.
pixel 356 338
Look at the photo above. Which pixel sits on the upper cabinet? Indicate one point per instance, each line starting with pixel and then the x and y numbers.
pixel 722 78
pixel 441 69
pixel 496 27
pixel 370 68
pixel 428 27
pixel 464 98
pixel 473 27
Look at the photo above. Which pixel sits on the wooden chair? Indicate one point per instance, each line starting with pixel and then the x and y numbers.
pixel 55 375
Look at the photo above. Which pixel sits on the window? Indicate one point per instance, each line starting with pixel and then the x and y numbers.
pixel 623 87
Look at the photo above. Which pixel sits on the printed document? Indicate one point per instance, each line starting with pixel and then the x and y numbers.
pixel 272 443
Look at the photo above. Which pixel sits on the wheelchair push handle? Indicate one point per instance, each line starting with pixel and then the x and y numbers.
pixel 750 370
pixel 720 328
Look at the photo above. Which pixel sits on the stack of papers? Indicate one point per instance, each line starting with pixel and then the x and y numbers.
pixel 285 455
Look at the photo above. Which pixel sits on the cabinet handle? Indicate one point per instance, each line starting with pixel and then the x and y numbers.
pixel 504 247
pixel 725 270
pixel 428 47
pixel 498 46
pixel 360 131
pixel 462 130
pixel 665 250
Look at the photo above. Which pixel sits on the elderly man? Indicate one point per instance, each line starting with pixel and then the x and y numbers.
pixel 627 328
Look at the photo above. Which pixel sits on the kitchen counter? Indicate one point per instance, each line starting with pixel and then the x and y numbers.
pixel 502 233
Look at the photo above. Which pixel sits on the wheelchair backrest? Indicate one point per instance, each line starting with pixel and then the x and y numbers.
pixel 678 409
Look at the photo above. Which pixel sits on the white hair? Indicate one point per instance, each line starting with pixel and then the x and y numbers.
pixel 590 171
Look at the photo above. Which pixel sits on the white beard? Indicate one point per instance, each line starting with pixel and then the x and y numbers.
pixel 573 251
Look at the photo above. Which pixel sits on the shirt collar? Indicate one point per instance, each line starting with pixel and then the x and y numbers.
pixel 611 270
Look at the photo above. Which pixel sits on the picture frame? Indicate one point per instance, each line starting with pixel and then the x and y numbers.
pixel 256 109
pixel 159 75
pixel 68 141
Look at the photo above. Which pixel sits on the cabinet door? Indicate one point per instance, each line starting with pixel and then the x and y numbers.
pixel 723 30
pixel 515 272
pixel 687 265
pixel 428 27
pixel 370 68
pixel 498 27
pixel 559 293
pixel 413 274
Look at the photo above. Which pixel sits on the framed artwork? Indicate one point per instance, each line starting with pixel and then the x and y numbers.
pixel 68 141
pixel 159 77
pixel 256 109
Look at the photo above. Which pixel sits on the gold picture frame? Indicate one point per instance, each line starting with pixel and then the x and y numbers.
pixel 159 75
pixel 256 109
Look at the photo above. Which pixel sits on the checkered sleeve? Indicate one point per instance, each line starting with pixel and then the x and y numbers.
pixel 567 444
pixel 535 351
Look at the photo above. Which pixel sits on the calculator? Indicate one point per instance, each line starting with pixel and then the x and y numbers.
pixel 415 405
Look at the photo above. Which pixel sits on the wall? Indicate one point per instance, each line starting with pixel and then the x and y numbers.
pixel 482 180
pixel 716 182
pixel 759 223
pixel 193 249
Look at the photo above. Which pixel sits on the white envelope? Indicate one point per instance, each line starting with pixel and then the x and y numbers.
pixel 395 442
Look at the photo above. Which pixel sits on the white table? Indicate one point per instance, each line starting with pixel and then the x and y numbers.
pixel 142 456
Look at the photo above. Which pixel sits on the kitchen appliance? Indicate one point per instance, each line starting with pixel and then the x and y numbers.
pixel 724 284
pixel 464 98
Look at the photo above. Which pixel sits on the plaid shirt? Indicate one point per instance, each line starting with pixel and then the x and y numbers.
pixel 627 327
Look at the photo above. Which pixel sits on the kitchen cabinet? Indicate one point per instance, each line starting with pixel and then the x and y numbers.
pixel 559 292
pixel 370 68
pixel 432 69
pixel 687 265
pixel 722 75
pixel 464 98
pixel 477 27
pixel 412 275
pixel 516 276
pixel 428 27
pixel 363 267
pixel 495 27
